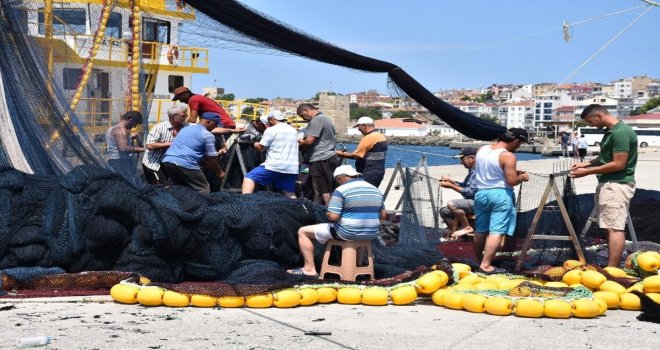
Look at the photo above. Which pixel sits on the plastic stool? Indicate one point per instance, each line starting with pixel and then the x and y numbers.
pixel 350 267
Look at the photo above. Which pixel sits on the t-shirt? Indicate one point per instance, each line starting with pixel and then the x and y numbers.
pixel 372 150
pixel 189 147
pixel 582 143
pixel 324 146
pixel 620 138
pixel 358 203
pixel 282 143
pixel 564 139
pixel 203 104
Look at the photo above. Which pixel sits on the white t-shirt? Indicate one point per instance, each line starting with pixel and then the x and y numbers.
pixel 282 143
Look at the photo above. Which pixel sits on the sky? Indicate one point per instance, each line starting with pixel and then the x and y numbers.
pixel 446 45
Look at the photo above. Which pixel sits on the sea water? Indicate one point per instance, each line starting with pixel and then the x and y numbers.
pixel 409 155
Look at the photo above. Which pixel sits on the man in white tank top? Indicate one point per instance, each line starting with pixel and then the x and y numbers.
pixel 494 202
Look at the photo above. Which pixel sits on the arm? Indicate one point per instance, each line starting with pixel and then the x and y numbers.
pixel 122 141
pixel 219 130
pixel 158 145
pixel 618 163
pixel 344 154
pixel 192 117
pixel 259 147
pixel 383 214
pixel 512 176
pixel 448 183
pixel 212 164
pixel 306 142
pixel 332 216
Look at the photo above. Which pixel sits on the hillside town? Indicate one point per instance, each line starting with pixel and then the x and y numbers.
pixel 544 109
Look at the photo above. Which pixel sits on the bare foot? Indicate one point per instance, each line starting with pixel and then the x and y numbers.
pixel 462 232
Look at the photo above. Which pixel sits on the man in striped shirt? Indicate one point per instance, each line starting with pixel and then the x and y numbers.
pixel 355 210
pixel 194 144
pixel 159 140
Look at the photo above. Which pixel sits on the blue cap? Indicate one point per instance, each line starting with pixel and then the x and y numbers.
pixel 211 116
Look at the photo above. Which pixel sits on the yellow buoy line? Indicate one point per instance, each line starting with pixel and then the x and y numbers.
pixel 578 290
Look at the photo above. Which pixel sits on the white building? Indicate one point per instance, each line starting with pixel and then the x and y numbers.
pixel 397 127
pixel 512 115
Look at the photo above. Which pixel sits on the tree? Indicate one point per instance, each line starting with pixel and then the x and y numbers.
pixel 402 114
pixel 649 105
pixel 488 117
pixel 372 112
pixel 227 97
pixel 256 100
pixel 485 97
pixel 330 93
pixel 466 98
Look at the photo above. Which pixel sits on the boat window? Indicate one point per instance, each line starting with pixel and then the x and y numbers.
pixel 113 28
pixel 173 82
pixel 70 78
pixel 157 31
pixel 65 21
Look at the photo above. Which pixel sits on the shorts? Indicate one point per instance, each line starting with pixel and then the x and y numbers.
pixel 495 209
pixel 612 200
pixel 325 232
pixel 467 205
pixel 321 173
pixel 265 177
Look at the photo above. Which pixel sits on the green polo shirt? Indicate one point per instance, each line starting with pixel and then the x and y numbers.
pixel 621 138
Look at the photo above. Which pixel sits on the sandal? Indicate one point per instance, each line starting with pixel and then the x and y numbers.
pixel 497 270
pixel 299 272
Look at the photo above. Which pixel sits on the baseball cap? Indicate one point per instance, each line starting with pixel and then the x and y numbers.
pixel 277 115
pixel 364 120
pixel 467 151
pixel 519 134
pixel 179 90
pixel 347 170
pixel 264 119
pixel 211 116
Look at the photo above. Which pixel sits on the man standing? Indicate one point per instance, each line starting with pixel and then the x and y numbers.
pixel 281 166
pixel 458 209
pixel 355 211
pixel 494 202
pixel 159 140
pixel 192 145
pixel 320 140
pixel 582 147
pixel 564 144
pixel 121 154
pixel 615 170
pixel 370 153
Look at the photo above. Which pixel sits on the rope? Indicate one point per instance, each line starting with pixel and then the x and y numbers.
pixel 429 153
pixel 564 25
pixel 608 43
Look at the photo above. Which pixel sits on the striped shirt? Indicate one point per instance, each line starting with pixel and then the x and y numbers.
pixel 189 147
pixel 359 204
pixel 282 143
pixel 160 133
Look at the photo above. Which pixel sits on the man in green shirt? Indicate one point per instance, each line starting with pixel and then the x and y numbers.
pixel 615 169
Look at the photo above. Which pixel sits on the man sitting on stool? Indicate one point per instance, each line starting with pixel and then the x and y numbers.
pixel 458 209
pixel 355 210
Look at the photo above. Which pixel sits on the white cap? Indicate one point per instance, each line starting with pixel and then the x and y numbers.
pixel 264 119
pixel 347 170
pixel 277 115
pixel 364 120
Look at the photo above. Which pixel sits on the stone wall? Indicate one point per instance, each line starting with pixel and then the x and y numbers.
pixel 337 109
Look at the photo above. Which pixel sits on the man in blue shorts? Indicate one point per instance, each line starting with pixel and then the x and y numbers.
pixel 355 210
pixel 281 166
pixel 494 202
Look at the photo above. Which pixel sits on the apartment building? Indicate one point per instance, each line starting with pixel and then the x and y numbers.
pixel 514 115
pixel 631 87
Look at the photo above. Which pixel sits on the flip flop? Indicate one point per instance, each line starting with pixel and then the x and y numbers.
pixel 497 270
pixel 299 272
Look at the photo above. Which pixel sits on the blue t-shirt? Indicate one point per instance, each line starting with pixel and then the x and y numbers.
pixel 358 203
pixel 190 145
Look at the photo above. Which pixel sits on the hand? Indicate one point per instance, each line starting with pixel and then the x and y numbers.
pixel 238 130
pixel 580 165
pixel 578 172
pixel 523 175
pixel 445 183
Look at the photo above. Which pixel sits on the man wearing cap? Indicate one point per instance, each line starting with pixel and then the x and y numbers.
pixel 200 104
pixel 494 202
pixel 615 170
pixel 370 153
pixel 458 209
pixel 319 141
pixel 193 145
pixel 355 210
pixel 280 140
